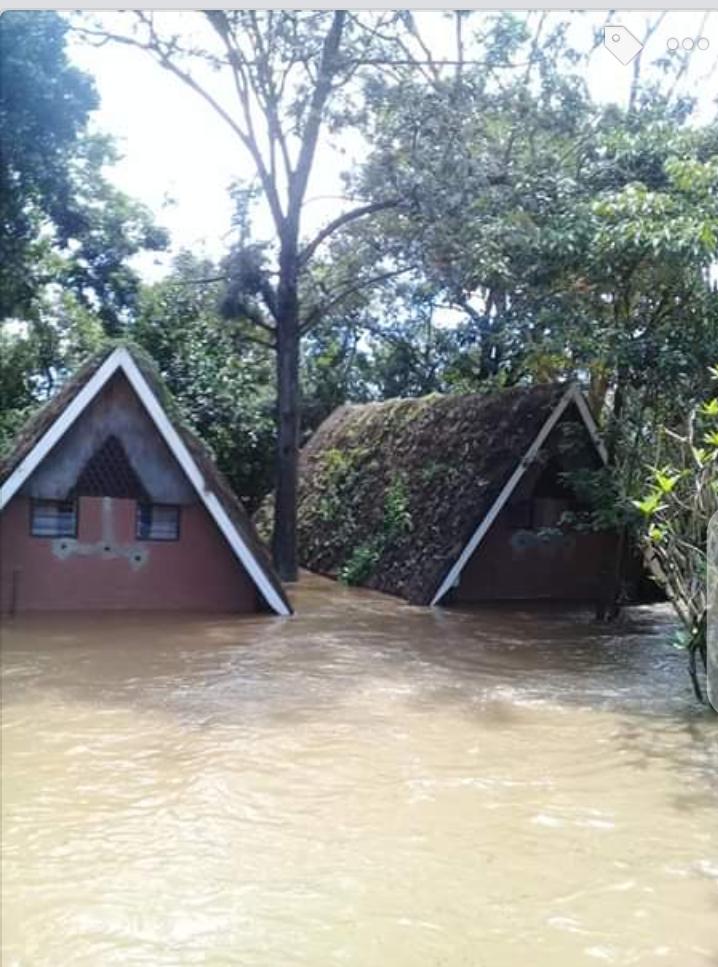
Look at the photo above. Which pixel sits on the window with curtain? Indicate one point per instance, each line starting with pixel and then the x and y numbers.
pixel 53 518
pixel 157 522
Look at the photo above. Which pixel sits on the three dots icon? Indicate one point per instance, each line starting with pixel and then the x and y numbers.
pixel 688 43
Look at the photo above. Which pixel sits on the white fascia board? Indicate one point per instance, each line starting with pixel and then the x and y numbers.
pixel 59 428
pixel 194 475
pixel 583 408
pixel 121 359
pixel 572 395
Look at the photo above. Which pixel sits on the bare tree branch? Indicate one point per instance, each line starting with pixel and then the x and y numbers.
pixel 344 292
pixel 337 223
pixel 651 28
pixel 163 57
pixel 218 20
pixel 322 89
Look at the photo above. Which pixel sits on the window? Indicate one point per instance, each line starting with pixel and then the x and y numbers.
pixel 157 522
pixel 53 518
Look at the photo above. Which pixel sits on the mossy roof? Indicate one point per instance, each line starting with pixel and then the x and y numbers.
pixel 40 422
pixel 406 482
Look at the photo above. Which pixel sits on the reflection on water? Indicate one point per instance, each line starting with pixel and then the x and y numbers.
pixel 364 784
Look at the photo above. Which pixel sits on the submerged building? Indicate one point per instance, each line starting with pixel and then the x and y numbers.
pixel 458 498
pixel 107 502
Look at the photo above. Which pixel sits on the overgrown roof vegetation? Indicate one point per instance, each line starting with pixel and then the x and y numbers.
pixel 391 492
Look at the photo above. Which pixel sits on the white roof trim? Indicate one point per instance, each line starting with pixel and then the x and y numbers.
pixel 121 359
pixel 58 429
pixel 572 395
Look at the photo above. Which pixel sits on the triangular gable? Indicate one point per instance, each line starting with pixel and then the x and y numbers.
pixel 572 396
pixel 121 360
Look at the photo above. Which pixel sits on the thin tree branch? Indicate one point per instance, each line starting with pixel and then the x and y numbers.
pixel 210 279
pixel 218 20
pixel 266 82
pixel 255 340
pixel 337 223
pixel 344 292
pixel 636 80
pixel 252 314
pixel 322 90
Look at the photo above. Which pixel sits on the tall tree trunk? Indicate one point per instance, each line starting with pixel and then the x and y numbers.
pixel 613 444
pixel 284 536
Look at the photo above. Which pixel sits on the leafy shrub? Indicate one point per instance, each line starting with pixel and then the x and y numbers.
pixel 395 522
pixel 364 559
pixel 397 517
pixel 682 497
pixel 339 476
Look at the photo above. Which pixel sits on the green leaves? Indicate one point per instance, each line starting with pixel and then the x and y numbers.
pixel 221 381
pixel 650 504
pixel 396 522
pixel 656 533
pixel 66 227
pixel 572 238
pixel 683 496
pixel 666 479
pixel 677 219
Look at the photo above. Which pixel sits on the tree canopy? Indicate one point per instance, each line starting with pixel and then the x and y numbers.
pixel 65 226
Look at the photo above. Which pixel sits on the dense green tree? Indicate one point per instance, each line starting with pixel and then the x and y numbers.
pixel 220 378
pixel 36 356
pixel 573 239
pixel 64 227
pixel 44 107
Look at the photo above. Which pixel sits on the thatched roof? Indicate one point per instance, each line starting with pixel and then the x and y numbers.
pixel 390 493
pixel 32 433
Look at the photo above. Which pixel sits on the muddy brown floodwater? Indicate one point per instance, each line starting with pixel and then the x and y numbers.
pixel 364 784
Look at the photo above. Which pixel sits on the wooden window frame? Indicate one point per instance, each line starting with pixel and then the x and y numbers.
pixel 34 501
pixel 163 540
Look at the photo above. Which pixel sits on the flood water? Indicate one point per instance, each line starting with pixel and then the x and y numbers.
pixel 363 784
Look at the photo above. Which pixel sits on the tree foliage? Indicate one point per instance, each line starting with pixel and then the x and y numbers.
pixel 65 227
pixel 221 381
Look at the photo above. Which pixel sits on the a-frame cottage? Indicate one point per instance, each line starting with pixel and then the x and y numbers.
pixel 458 498
pixel 107 502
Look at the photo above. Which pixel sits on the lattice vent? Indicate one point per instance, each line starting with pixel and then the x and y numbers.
pixel 109 473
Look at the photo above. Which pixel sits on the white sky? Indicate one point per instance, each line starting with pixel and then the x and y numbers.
pixel 179 158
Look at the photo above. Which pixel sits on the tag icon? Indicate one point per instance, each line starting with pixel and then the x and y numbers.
pixel 619 41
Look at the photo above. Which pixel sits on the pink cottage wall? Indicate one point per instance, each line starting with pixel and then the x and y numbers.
pixel 107 568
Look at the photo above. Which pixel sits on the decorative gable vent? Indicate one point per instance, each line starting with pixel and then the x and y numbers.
pixel 109 473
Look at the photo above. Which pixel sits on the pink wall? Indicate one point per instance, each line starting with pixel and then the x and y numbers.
pixel 107 568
